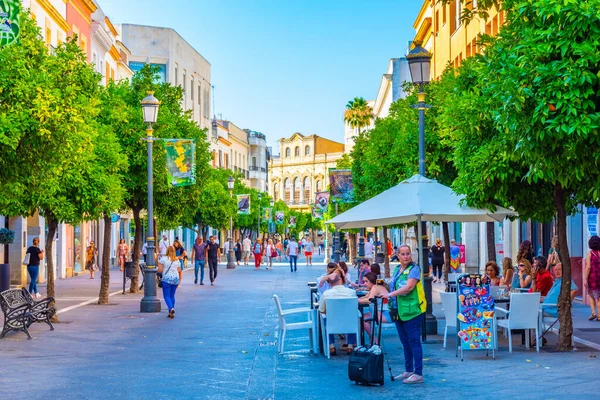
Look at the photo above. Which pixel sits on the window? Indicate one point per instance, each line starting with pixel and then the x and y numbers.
pixel 297 151
pixel 220 159
pixel 319 187
pixel 287 188
pixel 199 95
pixel 183 84
pixel 444 15
pixel 192 88
pixel 276 192
pixel 175 75
pixel 453 17
pixel 287 152
pixel 296 190
pixel 437 21
pixel 307 151
pixel 48 36
pixel 307 196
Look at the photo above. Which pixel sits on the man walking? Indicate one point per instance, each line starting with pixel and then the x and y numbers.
pixel 164 243
pixel 308 251
pixel 198 255
pixel 246 244
pixel 292 253
pixel 369 251
pixel 212 254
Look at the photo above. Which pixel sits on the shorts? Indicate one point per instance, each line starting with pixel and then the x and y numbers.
pixel 246 254
pixel 308 253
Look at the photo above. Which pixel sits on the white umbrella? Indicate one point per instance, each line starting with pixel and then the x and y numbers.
pixel 417 198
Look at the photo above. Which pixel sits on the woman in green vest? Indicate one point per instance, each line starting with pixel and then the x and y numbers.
pixel 408 312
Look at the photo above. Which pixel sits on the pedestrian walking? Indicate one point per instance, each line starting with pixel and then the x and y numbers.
pixel 180 253
pixel 238 252
pixel 308 251
pixel 212 255
pixel 33 267
pixel 163 245
pixel 437 260
pixel 279 247
pixel 369 251
pixel 407 309
pixel 170 268
pixel 292 253
pixel 90 259
pixel 592 277
pixel 257 251
pixel 198 256
pixel 271 253
pixel 246 244
pixel 122 253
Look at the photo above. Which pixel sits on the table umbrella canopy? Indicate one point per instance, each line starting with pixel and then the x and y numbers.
pixel 413 198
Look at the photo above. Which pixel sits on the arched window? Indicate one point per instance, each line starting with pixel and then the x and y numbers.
pixel 307 196
pixel 296 190
pixel 287 187
pixel 288 152
pixel 319 186
pixel 276 192
pixel 307 151
pixel 297 151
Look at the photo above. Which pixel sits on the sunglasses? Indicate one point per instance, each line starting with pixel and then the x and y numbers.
pixel 521 265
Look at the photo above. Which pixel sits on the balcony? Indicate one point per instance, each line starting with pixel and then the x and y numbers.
pixel 257 173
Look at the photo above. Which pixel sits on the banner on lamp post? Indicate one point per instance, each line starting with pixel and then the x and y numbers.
pixel 243 204
pixel 292 222
pixel 317 213
pixel 9 21
pixel 322 201
pixel 341 188
pixel 267 214
pixel 181 161
pixel 279 217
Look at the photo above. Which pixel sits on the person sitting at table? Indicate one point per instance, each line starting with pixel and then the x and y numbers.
pixel 522 279
pixel 375 290
pixel 344 268
pixel 365 268
pixel 376 269
pixel 508 272
pixel 552 296
pixel 493 271
pixel 338 291
pixel 541 280
pixel 323 280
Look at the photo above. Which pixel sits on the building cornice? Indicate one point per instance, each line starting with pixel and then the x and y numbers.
pixel 114 53
pixel 100 37
pixel 422 12
pixel 424 31
pixel 54 14
pixel 224 141
pixel 111 27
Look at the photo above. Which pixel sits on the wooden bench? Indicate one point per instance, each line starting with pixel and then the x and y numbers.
pixel 21 310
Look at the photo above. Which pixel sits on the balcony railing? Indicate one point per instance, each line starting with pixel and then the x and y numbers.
pixel 259 169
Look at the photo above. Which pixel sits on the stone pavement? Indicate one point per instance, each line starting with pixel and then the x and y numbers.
pixel 221 345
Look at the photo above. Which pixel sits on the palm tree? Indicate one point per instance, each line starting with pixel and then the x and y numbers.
pixel 358 113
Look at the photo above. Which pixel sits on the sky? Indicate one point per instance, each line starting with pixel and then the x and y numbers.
pixel 285 66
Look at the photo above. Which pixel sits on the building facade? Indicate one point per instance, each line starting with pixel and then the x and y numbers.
pixel 302 169
pixel 259 156
pixel 179 63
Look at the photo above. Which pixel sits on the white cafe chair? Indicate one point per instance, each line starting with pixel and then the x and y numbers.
pixel 523 314
pixel 495 291
pixel 450 307
pixel 341 317
pixel 285 326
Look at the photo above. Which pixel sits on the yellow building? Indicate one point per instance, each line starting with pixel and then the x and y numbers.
pixel 302 168
pixel 449 39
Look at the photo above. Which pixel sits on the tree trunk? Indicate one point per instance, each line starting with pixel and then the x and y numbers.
pixel 52 228
pixel 446 250
pixel 564 299
pixel 385 253
pixel 137 245
pixel 105 278
pixel 491 241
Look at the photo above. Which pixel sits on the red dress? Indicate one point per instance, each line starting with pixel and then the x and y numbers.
pixel 594 276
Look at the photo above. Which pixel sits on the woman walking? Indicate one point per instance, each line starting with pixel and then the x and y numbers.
pixel 437 260
pixel 180 253
pixel 257 250
pixel 271 253
pixel 410 305
pixel 122 253
pixel 238 252
pixel 33 267
pixel 592 277
pixel 90 258
pixel 170 267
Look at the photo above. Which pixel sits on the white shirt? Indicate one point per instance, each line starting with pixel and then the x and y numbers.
pixel 292 248
pixel 226 246
pixel 163 247
pixel 368 249
pixel 246 243
pixel 336 292
pixel 145 248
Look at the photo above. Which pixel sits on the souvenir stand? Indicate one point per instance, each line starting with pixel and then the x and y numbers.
pixel 476 315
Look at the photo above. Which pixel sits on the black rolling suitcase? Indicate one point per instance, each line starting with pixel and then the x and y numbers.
pixel 366 363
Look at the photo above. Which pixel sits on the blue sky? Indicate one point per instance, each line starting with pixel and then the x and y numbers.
pixel 285 66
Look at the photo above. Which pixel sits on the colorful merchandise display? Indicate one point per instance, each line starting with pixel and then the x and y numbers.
pixel 475 313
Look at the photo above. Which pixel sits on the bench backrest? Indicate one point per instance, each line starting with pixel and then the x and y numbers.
pixel 12 298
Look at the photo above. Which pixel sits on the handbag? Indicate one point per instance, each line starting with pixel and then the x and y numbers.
pixel 26 259
pixel 159 275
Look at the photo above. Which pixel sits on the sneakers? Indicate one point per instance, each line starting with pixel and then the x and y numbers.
pixel 195 281
pixel 202 283
pixel 38 296
pixel 212 284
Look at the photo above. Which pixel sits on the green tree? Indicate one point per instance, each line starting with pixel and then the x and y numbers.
pixel 358 113
pixel 537 83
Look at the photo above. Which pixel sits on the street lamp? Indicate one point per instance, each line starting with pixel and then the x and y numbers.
pixel 258 231
pixel 419 63
pixel 150 303
pixel 230 256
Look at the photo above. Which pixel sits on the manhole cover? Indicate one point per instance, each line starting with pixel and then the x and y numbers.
pixel 588 329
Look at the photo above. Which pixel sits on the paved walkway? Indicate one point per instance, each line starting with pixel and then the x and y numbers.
pixel 221 345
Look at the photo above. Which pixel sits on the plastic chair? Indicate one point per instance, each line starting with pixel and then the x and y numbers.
pixel 284 326
pixel 453 276
pixel 450 306
pixel 495 291
pixel 341 317
pixel 523 314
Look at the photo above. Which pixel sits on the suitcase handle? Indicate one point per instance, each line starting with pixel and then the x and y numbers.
pixel 377 318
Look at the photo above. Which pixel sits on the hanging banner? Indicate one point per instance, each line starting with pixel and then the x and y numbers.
pixel 279 217
pixel 181 161
pixel 267 214
pixel 322 201
pixel 340 185
pixel 9 21
pixel 317 214
pixel 292 222
pixel 243 203
pixel 475 312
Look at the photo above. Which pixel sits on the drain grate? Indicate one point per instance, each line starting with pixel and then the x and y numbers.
pixel 588 329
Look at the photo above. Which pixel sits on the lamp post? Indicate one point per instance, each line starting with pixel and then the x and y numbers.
pixel 419 62
pixel 258 230
pixel 150 303
pixel 230 254
pixel 271 227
